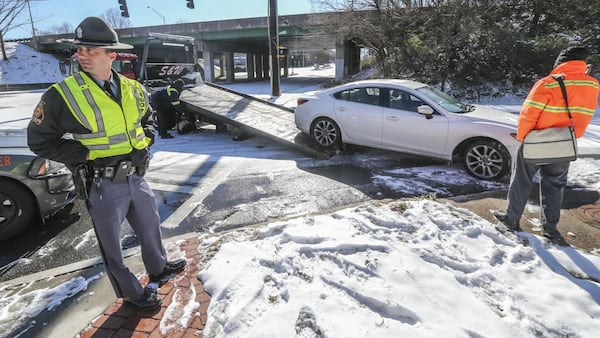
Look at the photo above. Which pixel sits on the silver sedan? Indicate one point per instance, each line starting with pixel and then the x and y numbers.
pixel 410 117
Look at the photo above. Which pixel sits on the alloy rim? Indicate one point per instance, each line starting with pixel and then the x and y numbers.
pixel 325 133
pixel 484 161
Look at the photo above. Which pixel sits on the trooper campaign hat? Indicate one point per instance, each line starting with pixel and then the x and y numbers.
pixel 94 32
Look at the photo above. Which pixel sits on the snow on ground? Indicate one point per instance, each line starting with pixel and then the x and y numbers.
pixel 26 65
pixel 410 268
pixel 415 268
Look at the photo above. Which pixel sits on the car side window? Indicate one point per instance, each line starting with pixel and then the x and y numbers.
pixel 404 101
pixel 367 95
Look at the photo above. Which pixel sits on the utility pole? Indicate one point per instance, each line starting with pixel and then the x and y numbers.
pixel 274 48
pixel 35 44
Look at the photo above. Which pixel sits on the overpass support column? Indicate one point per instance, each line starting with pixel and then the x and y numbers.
pixel 229 67
pixel 347 59
pixel 257 60
pixel 250 66
pixel 340 65
pixel 353 57
pixel 221 72
pixel 266 66
pixel 209 66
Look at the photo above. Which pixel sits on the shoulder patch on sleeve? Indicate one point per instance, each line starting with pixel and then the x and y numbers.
pixel 38 113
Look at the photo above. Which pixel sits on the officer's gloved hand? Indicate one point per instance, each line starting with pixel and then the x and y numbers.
pixel 141 160
pixel 149 132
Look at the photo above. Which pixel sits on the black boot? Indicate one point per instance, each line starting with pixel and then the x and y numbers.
pixel 509 224
pixel 146 301
pixel 171 268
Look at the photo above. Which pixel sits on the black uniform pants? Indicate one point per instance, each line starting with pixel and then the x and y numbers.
pixel 166 120
pixel 109 204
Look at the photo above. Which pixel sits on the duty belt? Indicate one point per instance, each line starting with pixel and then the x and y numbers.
pixel 124 168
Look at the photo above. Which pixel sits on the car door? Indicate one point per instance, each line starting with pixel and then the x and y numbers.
pixel 404 129
pixel 359 113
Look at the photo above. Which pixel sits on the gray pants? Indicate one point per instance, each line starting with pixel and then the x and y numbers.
pixel 553 181
pixel 109 204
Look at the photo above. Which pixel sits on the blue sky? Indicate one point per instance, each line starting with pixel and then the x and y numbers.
pixel 50 13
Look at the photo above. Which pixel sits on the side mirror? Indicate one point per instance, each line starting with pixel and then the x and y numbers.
pixel 425 110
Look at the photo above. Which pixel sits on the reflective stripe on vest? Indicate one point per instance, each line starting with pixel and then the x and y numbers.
pixel 84 99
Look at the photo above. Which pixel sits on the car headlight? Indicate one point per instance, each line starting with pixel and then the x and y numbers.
pixel 42 168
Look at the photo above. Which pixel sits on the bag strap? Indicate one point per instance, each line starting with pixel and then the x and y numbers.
pixel 560 78
pixel 561 83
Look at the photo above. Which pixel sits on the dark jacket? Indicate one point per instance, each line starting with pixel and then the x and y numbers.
pixel 166 99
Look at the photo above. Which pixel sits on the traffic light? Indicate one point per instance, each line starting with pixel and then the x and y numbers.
pixel 282 51
pixel 190 4
pixel 123 6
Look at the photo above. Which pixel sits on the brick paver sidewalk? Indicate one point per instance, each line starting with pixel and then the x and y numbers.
pixel 182 314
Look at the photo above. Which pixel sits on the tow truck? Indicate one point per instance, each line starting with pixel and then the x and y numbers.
pixel 164 59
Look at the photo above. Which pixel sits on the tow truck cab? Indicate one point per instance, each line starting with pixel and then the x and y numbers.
pixel 168 57
pixel 125 64
pixel 163 59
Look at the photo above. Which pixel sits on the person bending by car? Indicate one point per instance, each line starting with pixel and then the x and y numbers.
pixel 168 107
pixel 544 108
pixel 95 122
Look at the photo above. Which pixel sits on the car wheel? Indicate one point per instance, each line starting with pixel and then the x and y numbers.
pixel 17 209
pixel 486 160
pixel 326 133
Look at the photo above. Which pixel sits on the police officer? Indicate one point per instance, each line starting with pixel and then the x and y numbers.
pixel 168 107
pixel 95 122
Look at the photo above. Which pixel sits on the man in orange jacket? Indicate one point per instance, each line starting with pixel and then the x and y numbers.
pixel 544 108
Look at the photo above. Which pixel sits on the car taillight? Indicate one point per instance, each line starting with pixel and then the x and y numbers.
pixel 301 101
pixel 514 135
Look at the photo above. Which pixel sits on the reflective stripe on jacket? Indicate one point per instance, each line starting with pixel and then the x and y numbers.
pixel 115 129
pixel 173 95
pixel 545 107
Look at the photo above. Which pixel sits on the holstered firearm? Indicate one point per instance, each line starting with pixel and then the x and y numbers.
pixel 143 166
pixel 82 179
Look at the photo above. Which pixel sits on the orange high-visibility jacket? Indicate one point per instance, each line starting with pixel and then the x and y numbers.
pixel 545 107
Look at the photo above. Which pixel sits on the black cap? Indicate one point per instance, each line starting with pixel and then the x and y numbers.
pixel 94 32
pixel 572 53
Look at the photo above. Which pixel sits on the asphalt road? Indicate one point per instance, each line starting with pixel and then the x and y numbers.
pixel 236 184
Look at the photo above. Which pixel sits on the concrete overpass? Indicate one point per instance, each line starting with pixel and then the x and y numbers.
pixel 304 35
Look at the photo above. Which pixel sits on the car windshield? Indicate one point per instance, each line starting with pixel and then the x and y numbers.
pixel 448 102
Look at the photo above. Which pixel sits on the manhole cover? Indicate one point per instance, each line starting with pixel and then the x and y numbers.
pixel 590 214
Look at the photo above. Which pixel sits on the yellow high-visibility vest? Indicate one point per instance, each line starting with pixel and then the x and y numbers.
pixel 115 129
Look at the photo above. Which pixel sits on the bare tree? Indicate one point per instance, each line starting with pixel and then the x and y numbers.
pixel 114 18
pixel 63 28
pixel 9 14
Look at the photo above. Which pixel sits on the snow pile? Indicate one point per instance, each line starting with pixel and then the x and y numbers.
pixel 25 65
